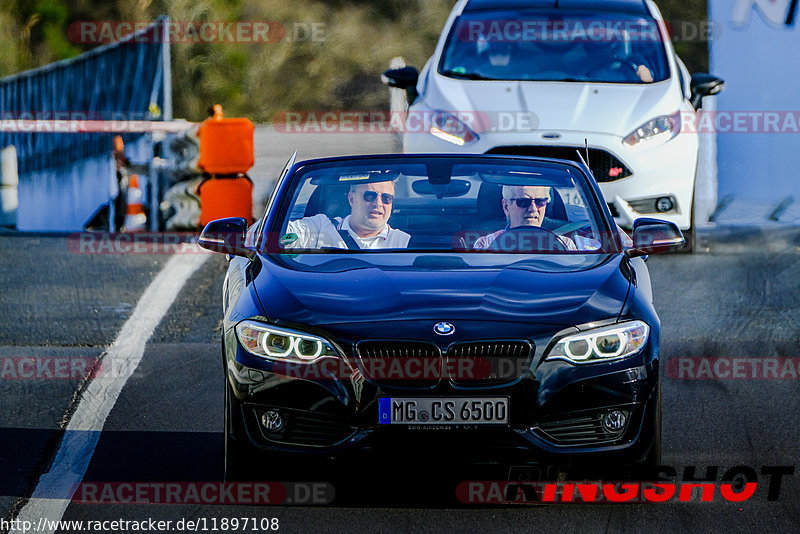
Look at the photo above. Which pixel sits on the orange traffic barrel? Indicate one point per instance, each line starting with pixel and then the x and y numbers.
pixel 225 197
pixel 226 145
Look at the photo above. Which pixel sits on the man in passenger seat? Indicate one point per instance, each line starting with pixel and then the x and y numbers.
pixel 365 228
pixel 526 206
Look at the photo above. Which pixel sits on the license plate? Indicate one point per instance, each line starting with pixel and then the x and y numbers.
pixel 443 411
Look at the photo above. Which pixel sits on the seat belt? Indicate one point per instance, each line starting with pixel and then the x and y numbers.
pixel 348 240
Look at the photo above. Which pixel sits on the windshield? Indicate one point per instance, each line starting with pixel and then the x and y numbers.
pixel 542 45
pixel 443 204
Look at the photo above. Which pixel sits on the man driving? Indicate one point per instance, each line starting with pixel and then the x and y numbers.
pixel 526 206
pixel 365 228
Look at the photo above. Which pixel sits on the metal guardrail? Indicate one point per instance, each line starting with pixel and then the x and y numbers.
pixel 61 119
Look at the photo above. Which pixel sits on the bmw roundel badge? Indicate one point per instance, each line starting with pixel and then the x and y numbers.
pixel 444 328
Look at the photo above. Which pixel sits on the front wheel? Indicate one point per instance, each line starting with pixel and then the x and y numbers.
pixel 690 237
pixel 236 450
pixel 653 459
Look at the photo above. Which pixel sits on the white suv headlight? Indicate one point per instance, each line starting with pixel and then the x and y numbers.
pixel 281 344
pixel 448 127
pixel 656 131
pixel 602 344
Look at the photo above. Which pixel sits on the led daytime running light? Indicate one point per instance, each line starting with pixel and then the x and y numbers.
pixel 450 128
pixel 602 344
pixel 281 344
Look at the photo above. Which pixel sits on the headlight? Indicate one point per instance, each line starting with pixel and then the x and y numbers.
pixel 602 344
pixel 448 127
pixel 281 344
pixel 658 130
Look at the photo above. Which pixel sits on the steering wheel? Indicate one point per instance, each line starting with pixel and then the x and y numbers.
pixel 550 75
pixel 614 66
pixel 569 228
pixel 528 238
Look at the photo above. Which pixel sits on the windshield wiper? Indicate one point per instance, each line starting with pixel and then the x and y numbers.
pixel 464 75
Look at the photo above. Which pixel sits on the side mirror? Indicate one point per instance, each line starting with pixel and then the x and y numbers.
pixel 405 78
pixel 653 236
pixel 704 84
pixel 226 236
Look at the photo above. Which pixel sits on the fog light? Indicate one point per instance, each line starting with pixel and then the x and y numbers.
pixel 614 421
pixel 272 420
pixel 664 204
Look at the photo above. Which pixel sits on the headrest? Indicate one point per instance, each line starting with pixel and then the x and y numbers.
pixel 330 200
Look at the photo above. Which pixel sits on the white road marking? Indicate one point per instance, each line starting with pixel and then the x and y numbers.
pixel 56 487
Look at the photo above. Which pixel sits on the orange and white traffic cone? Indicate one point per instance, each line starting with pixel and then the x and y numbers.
pixel 135 217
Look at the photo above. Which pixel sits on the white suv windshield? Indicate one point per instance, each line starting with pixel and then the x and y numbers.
pixel 539 45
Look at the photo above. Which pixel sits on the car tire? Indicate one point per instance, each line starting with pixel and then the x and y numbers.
pixel 235 450
pixel 649 468
pixel 688 236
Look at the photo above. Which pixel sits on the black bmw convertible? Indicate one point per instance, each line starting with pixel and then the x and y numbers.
pixel 488 301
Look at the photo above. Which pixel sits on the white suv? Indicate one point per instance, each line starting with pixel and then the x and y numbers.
pixel 543 78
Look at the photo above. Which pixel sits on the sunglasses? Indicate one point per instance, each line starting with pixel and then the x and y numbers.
pixel 372 196
pixel 525 203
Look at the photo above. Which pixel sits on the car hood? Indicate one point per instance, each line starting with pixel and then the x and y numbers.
pixel 553 289
pixel 503 106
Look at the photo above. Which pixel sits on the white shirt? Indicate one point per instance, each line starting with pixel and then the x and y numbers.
pixel 581 243
pixel 318 231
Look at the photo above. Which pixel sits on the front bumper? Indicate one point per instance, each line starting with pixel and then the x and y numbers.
pixel 555 409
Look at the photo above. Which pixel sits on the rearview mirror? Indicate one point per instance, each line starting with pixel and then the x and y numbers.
pixel 405 78
pixel 454 188
pixel 704 84
pixel 654 236
pixel 225 236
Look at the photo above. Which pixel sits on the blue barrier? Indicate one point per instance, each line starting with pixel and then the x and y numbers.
pixel 64 178
pixel 757 119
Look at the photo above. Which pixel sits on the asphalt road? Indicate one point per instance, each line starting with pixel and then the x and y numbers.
pixel 737 300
